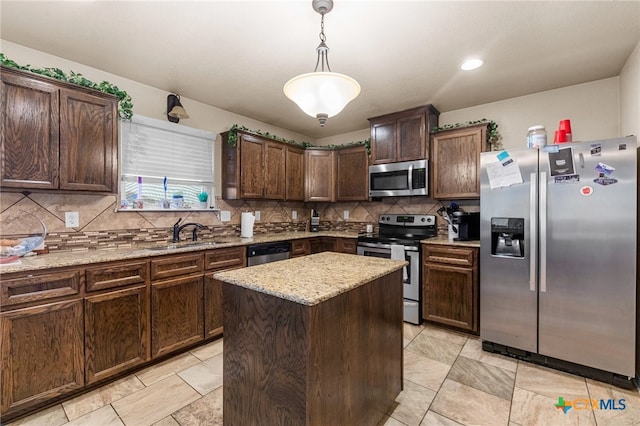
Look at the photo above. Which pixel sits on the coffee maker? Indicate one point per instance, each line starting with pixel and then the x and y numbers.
pixel 468 225
pixel 314 221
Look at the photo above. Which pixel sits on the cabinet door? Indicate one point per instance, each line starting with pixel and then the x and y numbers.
pixel 88 142
pixel 347 245
pixel 212 307
pixel 274 170
pixel 383 142
pixel 300 247
pixel 29 132
pixel 449 295
pixel 251 167
pixel 352 174
pixel 116 332
pixel 456 162
pixel 42 353
pixel 295 174
pixel 411 137
pixel 176 314
pixel 319 176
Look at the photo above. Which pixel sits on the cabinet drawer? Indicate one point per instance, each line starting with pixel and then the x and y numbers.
pixel 300 247
pixel 116 275
pixel 462 256
pixel 38 287
pixel 172 266
pixel 225 258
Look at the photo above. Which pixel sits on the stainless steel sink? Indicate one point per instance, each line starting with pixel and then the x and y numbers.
pixel 175 246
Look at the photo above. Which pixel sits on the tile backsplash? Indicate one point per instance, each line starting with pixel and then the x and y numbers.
pixel 101 227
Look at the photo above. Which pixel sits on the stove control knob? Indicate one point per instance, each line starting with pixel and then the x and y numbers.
pixel 423 219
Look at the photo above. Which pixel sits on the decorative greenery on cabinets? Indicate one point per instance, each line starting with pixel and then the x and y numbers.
pixel 232 139
pixel 493 137
pixel 125 104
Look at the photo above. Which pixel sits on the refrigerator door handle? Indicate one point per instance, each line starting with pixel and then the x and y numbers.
pixel 533 229
pixel 543 231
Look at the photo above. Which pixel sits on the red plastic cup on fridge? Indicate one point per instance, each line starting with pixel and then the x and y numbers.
pixel 566 126
pixel 560 136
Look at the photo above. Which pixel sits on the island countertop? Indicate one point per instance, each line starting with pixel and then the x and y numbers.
pixel 312 279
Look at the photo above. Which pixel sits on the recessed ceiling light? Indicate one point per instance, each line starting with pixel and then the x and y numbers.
pixel 471 64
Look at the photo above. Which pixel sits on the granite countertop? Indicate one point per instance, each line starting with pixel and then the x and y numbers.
pixel 87 257
pixel 309 280
pixel 444 240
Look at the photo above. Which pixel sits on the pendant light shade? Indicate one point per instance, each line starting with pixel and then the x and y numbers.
pixel 322 94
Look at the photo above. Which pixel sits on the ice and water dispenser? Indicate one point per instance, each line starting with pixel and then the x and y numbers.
pixel 507 236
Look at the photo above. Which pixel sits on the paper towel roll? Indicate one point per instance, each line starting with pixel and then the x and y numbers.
pixel 246 225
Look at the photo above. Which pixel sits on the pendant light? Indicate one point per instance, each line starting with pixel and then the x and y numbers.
pixel 322 93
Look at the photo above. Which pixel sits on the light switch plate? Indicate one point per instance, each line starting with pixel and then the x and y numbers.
pixel 225 216
pixel 257 214
pixel 345 214
pixel 294 215
pixel 72 219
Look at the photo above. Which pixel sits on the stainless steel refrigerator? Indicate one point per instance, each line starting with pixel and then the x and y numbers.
pixel 558 256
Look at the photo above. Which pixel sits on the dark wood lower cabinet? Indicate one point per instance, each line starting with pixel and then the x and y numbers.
pixel 176 314
pixel 450 286
pixel 42 354
pixel 116 332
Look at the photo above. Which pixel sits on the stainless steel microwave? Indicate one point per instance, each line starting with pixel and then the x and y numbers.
pixel 399 179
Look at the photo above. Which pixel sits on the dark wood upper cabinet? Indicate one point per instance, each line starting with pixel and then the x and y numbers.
pixel 88 142
pixel 56 135
pixel 319 175
pixel 255 168
pixel 294 171
pixel 402 136
pixel 352 174
pixel 455 170
pixel 30 132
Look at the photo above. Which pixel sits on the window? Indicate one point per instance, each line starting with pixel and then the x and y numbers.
pixel 165 165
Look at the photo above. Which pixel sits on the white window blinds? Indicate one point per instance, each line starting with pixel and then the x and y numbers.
pixel 154 148
pixel 160 161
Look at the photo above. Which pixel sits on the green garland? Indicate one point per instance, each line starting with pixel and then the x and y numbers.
pixel 232 139
pixel 125 105
pixel 492 134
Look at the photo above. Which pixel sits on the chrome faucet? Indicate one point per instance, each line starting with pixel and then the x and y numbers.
pixel 177 228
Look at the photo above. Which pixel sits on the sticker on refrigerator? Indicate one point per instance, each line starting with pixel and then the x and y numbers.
pixel 604 174
pixel 605 169
pixel 596 150
pixel 561 163
pixel 504 172
pixel 567 179
pixel 605 180
pixel 586 190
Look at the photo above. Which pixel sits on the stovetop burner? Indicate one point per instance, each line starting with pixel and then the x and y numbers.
pixel 406 230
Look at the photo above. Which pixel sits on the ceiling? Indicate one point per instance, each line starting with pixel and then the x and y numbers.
pixel 237 55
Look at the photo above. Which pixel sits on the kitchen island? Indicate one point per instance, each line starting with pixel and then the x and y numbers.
pixel 314 340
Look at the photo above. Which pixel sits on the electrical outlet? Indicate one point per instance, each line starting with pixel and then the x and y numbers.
pixel 257 214
pixel 225 216
pixel 294 215
pixel 72 219
pixel 345 214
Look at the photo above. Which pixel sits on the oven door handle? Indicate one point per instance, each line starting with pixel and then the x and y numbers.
pixel 383 248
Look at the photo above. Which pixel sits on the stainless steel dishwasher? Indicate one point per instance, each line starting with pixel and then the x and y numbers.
pixel 258 254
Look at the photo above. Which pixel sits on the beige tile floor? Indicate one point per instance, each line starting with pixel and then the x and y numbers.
pixel 448 380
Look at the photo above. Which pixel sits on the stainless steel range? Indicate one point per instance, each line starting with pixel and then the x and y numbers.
pixel 399 237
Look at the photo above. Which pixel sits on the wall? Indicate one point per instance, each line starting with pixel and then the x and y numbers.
pixel 630 95
pixel 100 225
